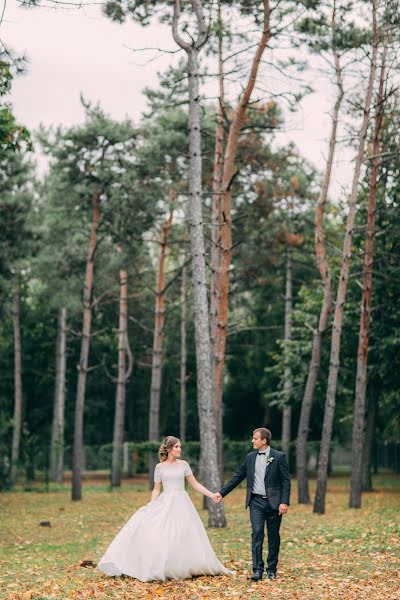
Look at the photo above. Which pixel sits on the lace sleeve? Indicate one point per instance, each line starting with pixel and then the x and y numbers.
pixel 157 474
pixel 188 470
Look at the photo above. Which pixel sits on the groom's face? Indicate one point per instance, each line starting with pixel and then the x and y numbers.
pixel 258 442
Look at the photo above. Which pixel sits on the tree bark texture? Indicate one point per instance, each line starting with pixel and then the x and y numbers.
pixel 368 445
pixel 16 438
pixel 123 376
pixel 223 247
pixel 216 220
pixel 84 354
pixel 158 342
pixel 57 431
pixel 54 428
pixel 366 300
pixel 183 375
pixel 326 277
pixel 287 373
pixel 322 474
pixel 199 281
pixel 158 338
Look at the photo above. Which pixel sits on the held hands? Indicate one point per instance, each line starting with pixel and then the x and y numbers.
pixel 216 498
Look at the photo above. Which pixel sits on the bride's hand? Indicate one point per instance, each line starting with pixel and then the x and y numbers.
pixel 216 497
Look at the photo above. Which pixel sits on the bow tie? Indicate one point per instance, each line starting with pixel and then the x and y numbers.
pixel 262 453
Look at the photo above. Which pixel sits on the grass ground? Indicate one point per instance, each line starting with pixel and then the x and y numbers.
pixel 343 554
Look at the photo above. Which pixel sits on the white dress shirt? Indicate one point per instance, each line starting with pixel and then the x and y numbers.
pixel 259 472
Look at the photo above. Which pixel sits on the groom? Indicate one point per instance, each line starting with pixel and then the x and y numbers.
pixel 268 492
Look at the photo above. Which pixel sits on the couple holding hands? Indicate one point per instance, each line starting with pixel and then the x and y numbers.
pixel 166 538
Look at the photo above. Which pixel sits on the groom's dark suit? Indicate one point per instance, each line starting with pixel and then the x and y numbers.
pixel 264 509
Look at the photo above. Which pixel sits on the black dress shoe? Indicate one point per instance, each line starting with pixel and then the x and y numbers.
pixel 271 575
pixel 257 576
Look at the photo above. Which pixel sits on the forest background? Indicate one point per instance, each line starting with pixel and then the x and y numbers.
pixel 106 216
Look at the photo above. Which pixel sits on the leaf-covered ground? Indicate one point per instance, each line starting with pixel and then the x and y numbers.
pixel 343 554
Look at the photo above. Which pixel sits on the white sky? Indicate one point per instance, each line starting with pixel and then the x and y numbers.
pixel 79 51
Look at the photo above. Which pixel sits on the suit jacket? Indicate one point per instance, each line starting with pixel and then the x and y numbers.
pixel 277 480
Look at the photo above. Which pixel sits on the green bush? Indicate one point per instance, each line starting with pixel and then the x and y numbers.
pixel 99 457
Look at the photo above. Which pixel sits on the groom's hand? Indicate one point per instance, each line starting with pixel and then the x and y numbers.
pixel 217 497
pixel 283 508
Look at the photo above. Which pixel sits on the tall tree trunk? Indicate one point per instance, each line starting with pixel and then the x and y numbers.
pixel 223 247
pixel 57 431
pixel 319 501
pixel 158 342
pixel 287 374
pixel 216 220
pixel 119 418
pixel 208 442
pixel 16 438
pixel 158 338
pixel 182 403
pixel 368 445
pixel 323 266
pixel 84 355
pixel 54 425
pixel 365 313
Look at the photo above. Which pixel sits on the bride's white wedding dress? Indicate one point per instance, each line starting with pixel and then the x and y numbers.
pixel 164 539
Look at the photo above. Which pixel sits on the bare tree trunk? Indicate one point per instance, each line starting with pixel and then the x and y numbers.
pixel 368 445
pixel 216 219
pixel 319 502
pixel 365 313
pixel 54 426
pixel 182 403
pixel 84 355
pixel 16 438
pixel 323 266
pixel 158 342
pixel 287 374
pixel 119 419
pixel 225 229
pixel 216 516
pixel 221 248
pixel 158 339
pixel 57 432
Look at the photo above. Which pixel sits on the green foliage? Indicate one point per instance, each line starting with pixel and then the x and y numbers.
pixel 138 169
pixel 100 156
pixel 13 136
pixel 172 85
pixel 139 10
pixel 15 179
pixel 321 37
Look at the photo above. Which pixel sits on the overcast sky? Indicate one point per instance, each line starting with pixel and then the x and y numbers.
pixel 79 51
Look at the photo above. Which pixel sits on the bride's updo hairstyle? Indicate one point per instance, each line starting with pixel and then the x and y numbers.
pixel 167 444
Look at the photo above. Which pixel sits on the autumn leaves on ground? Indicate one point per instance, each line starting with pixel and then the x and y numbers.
pixel 344 554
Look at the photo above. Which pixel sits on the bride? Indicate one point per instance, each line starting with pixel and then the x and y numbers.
pixel 165 539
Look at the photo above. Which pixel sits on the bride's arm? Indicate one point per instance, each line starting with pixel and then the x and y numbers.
pixel 156 491
pixel 198 487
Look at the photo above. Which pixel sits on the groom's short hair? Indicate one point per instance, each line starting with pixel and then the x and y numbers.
pixel 265 434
